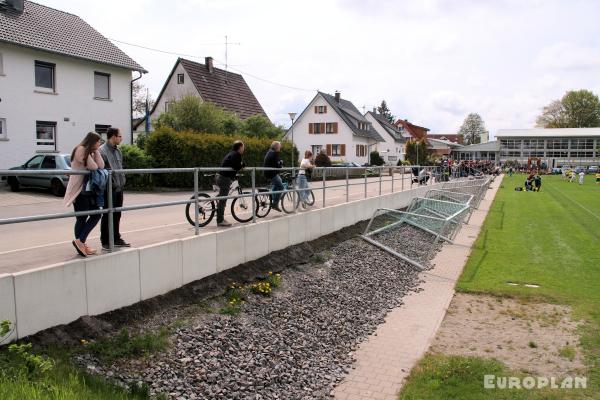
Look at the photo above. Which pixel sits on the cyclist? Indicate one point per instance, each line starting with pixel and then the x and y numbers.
pixel 273 160
pixel 234 160
pixel 306 167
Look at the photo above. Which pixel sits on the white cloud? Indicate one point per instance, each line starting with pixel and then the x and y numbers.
pixel 565 55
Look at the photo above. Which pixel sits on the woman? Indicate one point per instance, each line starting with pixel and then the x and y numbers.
pixel 306 167
pixel 84 157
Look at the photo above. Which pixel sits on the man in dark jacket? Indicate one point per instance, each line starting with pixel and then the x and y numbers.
pixel 113 159
pixel 273 160
pixel 234 160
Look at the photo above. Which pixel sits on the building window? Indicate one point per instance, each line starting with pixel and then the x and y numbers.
pixel 582 144
pixel 557 144
pixel 514 154
pixel 101 86
pixel 361 150
pixel 102 130
pixel 363 125
pixel 316 149
pixel 44 75
pixel 3 128
pixel 318 127
pixel 338 150
pixel 556 154
pixel 320 109
pixel 168 106
pixel 582 154
pixel 331 127
pixel 45 133
pixel 180 79
pixel 510 144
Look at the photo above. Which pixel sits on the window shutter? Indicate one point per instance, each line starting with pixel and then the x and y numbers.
pixel 343 150
pixel 329 151
pixel 325 109
pixel 335 127
pixel 322 127
pixel 357 150
pixel 310 127
pixel 316 110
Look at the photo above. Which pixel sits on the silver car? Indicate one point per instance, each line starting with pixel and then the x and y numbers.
pixel 56 183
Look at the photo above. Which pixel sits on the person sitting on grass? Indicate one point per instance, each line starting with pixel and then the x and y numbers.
pixel 538 182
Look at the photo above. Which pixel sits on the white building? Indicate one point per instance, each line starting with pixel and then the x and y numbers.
pixel 394 147
pixel 59 80
pixel 336 125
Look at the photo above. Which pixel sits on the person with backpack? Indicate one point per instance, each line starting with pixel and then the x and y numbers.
pixel 233 160
pixel 273 160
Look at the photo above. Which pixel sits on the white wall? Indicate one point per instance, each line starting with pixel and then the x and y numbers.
pixel 174 91
pixel 396 149
pixel 22 106
pixel 58 294
pixel 305 141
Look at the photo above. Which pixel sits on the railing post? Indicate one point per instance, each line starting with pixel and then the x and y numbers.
pixel 253 195
pixel 365 183
pixel 196 211
pixel 111 228
pixel 403 171
pixel 324 174
pixel 347 185
pixel 393 170
pixel 380 170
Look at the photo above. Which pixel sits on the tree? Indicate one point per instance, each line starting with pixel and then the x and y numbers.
pixel 140 93
pixel 385 111
pixel 576 109
pixel 259 126
pixel 472 129
pixel 191 113
pixel 416 152
pixel 376 159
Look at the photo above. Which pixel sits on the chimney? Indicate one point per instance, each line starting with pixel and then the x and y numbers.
pixel 16 4
pixel 209 64
pixel 374 110
pixel 337 96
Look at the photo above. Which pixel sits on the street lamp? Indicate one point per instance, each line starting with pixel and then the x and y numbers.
pixel 292 117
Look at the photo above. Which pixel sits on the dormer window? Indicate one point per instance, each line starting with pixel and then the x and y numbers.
pixel 363 125
pixel 320 109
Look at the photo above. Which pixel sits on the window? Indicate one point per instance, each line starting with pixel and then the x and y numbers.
pixel 514 154
pixel 45 133
pixel 582 144
pixel 318 127
pixel 338 149
pixel 101 130
pixel 3 128
pixel 49 162
pixel 44 75
pixel 316 149
pixel 34 162
pixel 331 127
pixel 361 150
pixel 533 144
pixel 320 109
pixel 168 106
pixel 557 144
pixel 180 79
pixel 363 125
pixel 582 154
pixel 101 86
pixel 557 154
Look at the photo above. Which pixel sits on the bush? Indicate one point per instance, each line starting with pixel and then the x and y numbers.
pixel 136 158
pixel 188 149
pixel 376 159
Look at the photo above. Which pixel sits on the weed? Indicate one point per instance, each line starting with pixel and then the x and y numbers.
pixel 127 345
pixel 532 345
pixel 567 352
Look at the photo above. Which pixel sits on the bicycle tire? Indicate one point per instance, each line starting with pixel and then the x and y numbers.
pixel 310 198
pixel 206 211
pixel 239 205
pixel 263 203
pixel 290 202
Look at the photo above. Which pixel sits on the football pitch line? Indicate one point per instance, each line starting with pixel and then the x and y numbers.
pixel 575 202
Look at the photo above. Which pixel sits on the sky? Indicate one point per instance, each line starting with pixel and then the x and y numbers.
pixel 432 61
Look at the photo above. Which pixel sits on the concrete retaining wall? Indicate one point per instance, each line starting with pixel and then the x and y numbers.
pixel 38 299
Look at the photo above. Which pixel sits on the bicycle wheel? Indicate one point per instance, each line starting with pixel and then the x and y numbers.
pixel 263 203
pixel 206 210
pixel 241 208
pixel 290 202
pixel 310 198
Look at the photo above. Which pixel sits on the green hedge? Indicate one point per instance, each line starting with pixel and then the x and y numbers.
pixel 136 158
pixel 170 149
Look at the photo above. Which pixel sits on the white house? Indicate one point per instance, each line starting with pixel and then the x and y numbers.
pixel 59 80
pixel 223 88
pixel 336 125
pixel 393 149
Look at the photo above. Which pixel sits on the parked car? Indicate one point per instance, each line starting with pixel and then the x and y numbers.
pixel 56 183
pixel 556 171
pixel 593 169
pixel 579 169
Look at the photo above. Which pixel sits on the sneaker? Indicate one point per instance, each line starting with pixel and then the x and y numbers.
pixel 121 243
pixel 276 208
pixel 224 223
pixel 105 246
pixel 304 205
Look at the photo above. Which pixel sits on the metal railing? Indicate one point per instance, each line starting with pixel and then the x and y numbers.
pixel 198 173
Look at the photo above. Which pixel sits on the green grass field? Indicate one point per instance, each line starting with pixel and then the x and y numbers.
pixel 551 239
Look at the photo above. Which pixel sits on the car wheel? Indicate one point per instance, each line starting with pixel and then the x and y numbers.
pixel 14 184
pixel 57 188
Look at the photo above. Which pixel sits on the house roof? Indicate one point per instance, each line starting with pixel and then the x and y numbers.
pixel 223 88
pixel 549 132
pixel 411 128
pixel 388 126
pixel 44 28
pixel 487 146
pixel 438 143
pixel 451 137
pixel 351 116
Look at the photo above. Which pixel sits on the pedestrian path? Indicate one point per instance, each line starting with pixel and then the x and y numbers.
pixel 385 359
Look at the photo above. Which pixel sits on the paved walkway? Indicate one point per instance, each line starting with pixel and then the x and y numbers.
pixel 385 359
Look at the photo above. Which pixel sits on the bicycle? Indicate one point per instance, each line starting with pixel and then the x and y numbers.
pixel 290 201
pixel 207 207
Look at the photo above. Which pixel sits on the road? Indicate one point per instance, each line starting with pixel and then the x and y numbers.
pixel 30 245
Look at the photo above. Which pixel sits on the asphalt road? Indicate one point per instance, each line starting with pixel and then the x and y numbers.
pixel 30 245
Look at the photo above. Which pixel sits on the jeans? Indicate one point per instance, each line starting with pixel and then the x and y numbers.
pixel 224 184
pixel 117 202
pixel 277 185
pixel 303 184
pixel 86 223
